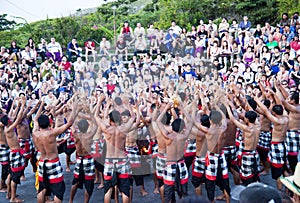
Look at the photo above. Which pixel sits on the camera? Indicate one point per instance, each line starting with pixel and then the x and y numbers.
pixel 295 17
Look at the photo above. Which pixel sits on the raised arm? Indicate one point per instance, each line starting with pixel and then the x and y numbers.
pixel 160 124
pixel 266 111
pixel 19 117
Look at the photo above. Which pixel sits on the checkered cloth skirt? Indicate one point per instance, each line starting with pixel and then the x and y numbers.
pixel 230 153
pixel 134 156
pixel 88 167
pixel 17 160
pixel 215 162
pixel 277 154
pixel 190 148
pixel 170 172
pixel 117 165
pixel 97 148
pixel 250 164
pixel 27 145
pixel 51 169
pixel 160 165
pixel 264 141
pixel 199 167
pixel 293 142
pixel 70 140
pixel 4 154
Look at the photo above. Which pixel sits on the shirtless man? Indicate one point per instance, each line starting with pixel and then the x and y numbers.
pixel 175 143
pixel 117 170
pixel 215 156
pixel 265 137
pixel 133 153
pixel 4 159
pixel 198 172
pixel 161 144
pixel 50 170
pixel 16 158
pixel 84 168
pixel 24 138
pixel 251 129
pixel 229 147
pixel 277 154
pixel 65 140
pixel 293 133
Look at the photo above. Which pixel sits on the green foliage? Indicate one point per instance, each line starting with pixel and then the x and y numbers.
pixel 160 12
pixel 6 24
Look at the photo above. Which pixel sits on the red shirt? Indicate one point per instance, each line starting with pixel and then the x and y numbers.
pixel 295 45
pixel 89 45
pixel 67 65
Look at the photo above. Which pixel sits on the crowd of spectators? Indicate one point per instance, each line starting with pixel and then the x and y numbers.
pixel 174 60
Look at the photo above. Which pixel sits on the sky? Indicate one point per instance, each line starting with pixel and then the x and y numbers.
pixel 34 10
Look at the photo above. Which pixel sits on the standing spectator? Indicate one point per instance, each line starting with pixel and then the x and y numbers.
pixel 176 29
pixel 104 46
pixel 54 51
pixel 127 33
pixel 139 31
pixel 244 25
pixel 90 47
pixel 121 47
pixel 140 45
pixel 42 49
pixel 32 46
pixel 73 49
pixel 295 46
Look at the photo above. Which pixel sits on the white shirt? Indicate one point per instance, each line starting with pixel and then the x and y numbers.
pixel 79 67
pixel 54 47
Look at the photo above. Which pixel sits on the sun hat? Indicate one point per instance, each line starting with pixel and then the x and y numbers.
pixel 293 182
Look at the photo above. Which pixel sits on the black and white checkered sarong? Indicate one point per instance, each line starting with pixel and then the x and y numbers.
pixel 250 164
pixel 277 154
pixel 17 160
pixel 134 156
pixel 293 142
pixel 88 167
pixel 160 165
pixel 264 141
pixel 4 154
pixel 170 172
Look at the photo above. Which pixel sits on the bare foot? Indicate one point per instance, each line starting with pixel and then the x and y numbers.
pixel 16 200
pixel 8 195
pixel 23 178
pixel 3 189
pixel 100 186
pixel 156 191
pixel 68 169
pixel 221 198
pixel 144 193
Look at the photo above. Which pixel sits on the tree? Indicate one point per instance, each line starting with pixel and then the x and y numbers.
pixel 6 24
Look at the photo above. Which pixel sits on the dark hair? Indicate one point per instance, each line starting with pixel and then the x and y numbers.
pixel 215 116
pixel 252 103
pixel 83 125
pixel 125 113
pixel 295 97
pixel 115 117
pixel 4 120
pixel 178 124
pixel 224 110
pixel 259 193
pixel 166 120
pixel 205 120
pixel 267 103
pixel 44 121
pixel 251 116
pixel 118 101
pixel 278 109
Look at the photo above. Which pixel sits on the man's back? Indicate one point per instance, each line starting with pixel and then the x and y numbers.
pixel 46 144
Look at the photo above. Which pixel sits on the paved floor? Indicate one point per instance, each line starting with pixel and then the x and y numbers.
pixel 26 190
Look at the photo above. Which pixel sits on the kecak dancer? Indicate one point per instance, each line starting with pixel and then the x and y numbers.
pixel 277 154
pixel 84 172
pixel 216 166
pixel 24 137
pixel 50 170
pixel 176 173
pixel 117 170
pixel 16 158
